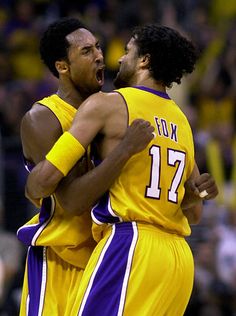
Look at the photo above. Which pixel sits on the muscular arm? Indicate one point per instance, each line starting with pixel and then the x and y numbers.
pixel 80 193
pixel 99 179
pixel 39 131
pixel 45 177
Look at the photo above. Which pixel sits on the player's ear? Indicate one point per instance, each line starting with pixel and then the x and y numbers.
pixel 145 61
pixel 61 66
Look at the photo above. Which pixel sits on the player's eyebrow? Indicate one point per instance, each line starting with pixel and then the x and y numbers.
pixel 86 47
pixel 89 46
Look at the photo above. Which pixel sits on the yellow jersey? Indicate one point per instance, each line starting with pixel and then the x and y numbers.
pixel 69 236
pixel 150 188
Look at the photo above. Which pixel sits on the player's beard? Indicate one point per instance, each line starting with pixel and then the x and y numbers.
pixel 119 82
pixel 123 79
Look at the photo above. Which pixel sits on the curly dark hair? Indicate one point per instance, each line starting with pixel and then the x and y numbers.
pixel 171 55
pixel 54 45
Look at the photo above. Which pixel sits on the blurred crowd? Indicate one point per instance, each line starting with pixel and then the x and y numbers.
pixel 208 97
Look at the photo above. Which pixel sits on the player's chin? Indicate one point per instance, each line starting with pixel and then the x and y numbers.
pixel 97 87
pixel 98 84
pixel 119 83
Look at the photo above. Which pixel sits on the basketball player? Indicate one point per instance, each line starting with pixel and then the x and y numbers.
pixel 142 264
pixel 60 244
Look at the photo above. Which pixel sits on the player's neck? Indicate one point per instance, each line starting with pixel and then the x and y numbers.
pixel 71 96
pixel 151 83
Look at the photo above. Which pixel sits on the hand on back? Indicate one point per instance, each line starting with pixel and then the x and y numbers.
pixel 138 136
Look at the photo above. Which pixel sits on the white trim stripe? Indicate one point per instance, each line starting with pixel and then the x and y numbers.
pixel 110 210
pixel 28 298
pixel 95 220
pixel 41 228
pixel 90 284
pixel 27 305
pixel 43 283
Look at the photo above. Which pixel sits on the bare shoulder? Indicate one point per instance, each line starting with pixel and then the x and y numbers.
pixel 103 102
pixel 39 130
pixel 108 97
pixel 39 119
pixel 38 116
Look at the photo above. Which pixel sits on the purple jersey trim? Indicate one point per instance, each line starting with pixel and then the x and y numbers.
pixel 27 233
pixel 101 212
pixel 109 282
pixel 126 105
pixel 159 93
pixel 35 273
pixel 28 164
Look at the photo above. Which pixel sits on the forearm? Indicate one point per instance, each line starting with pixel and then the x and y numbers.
pixel 42 180
pixel 192 203
pixel 190 200
pixel 82 193
pixel 192 206
pixel 46 175
pixel 193 213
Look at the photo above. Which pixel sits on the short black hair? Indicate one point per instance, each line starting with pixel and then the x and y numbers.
pixel 171 54
pixel 54 45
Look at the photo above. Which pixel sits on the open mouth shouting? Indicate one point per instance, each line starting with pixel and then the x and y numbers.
pixel 100 75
